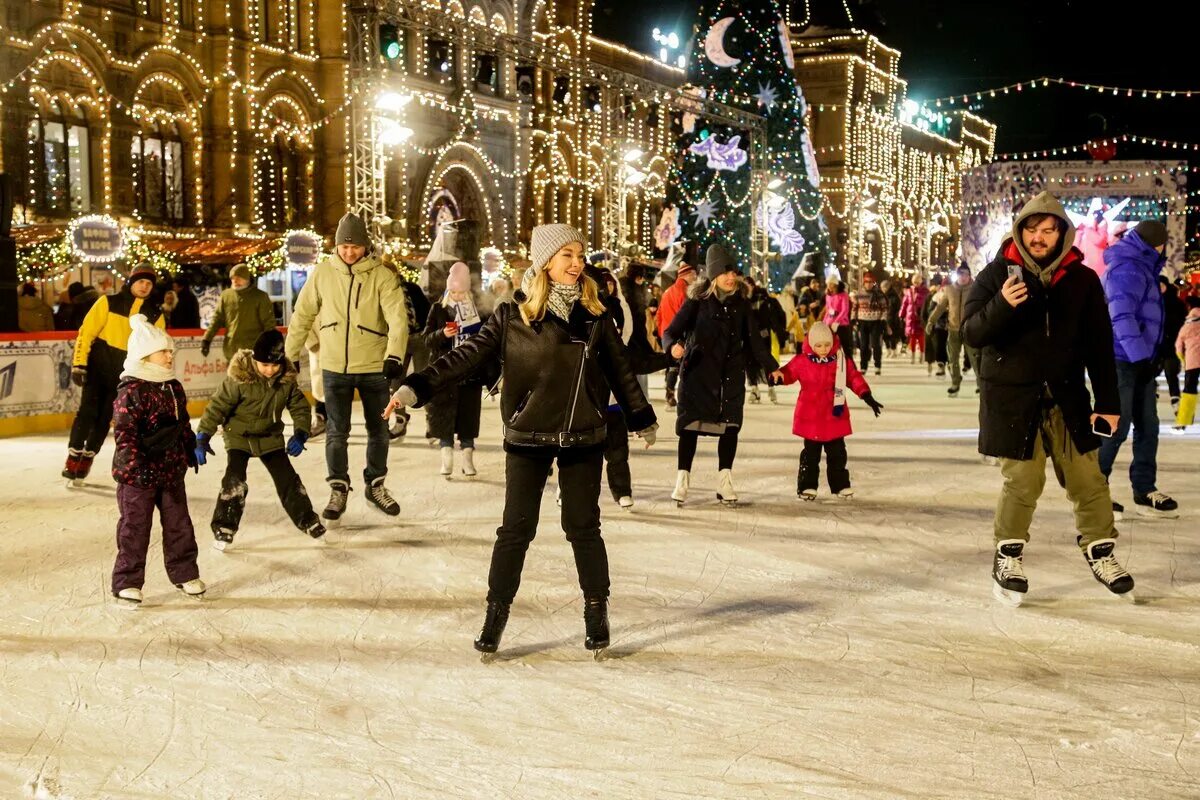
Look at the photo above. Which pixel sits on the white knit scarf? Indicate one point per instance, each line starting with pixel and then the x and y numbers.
pixel 145 371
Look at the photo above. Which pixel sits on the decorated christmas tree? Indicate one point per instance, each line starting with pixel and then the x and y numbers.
pixel 741 57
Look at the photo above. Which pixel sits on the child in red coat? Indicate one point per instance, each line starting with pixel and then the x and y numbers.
pixel 821 417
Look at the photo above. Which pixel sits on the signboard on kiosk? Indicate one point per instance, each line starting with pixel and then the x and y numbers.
pixel 303 249
pixel 96 238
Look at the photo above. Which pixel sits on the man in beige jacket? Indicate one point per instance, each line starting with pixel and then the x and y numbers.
pixel 954 297
pixel 357 309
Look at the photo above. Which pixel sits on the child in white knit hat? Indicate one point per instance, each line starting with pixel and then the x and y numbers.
pixel 155 446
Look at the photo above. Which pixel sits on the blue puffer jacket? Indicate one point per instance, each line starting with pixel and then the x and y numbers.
pixel 1134 300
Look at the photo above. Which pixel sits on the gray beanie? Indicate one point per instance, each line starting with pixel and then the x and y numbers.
pixel 1152 232
pixel 548 240
pixel 718 261
pixel 352 230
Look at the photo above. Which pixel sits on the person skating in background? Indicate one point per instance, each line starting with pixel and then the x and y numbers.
pixel 868 312
pixel 1175 311
pixel 359 313
pixel 98 361
pixel 953 298
pixel 416 356
pixel 1039 315
pixel 837 314
pixel 557 327
pixel 244 311
pixel 716 340
pixel 186 313
pixel 1135 304
pixel 771 324
pixel 672 300
pixel 154 448
pixel 822 418
pixel 79 301
pixel 935 329
pixel 912 309
pixel 33 315
pixel 1187 345
pixel 616 445
pixel 893 332
pixel 259 386
pixel 456 408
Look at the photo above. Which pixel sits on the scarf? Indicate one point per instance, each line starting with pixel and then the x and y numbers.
pixel 145 371
pixel 562 298
pixel 839 380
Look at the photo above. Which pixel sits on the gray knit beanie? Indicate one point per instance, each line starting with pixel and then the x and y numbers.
pixel 352 230
pixel 718 261
pixel 1152 232
pixel 548 240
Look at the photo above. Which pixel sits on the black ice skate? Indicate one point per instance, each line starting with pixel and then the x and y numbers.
pixel 1156 505
pixel 595 622
pixel 379 497
pixel 1106 568
pixel 494 621
pixel 1009 583
pixel 222 537
pixel 315 529
pixel 339 493
pixel 71 470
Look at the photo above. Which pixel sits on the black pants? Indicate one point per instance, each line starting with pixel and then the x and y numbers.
pixel 525 479
pixel 845 336
pixel 835 464
pixel 870 340
pixel 1171 368
pixel 672 378
pixel 231 502
pixel 616 456
pixel 1191 381
pixel 95 411
pixel 727 447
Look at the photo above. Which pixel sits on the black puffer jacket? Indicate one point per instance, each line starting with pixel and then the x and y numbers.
pixel 770 315
pixel 721 343
pixel 557 376
pixel 1043 344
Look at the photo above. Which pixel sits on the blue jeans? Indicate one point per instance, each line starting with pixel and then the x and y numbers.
pixel 339 400
pixel 1137 408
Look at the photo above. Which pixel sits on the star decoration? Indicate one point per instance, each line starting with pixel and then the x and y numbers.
pixel 767 96
pixel 704 212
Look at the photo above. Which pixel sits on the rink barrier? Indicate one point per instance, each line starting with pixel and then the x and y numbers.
pixel 37 396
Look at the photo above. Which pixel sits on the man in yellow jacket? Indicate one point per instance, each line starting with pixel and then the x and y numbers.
pixel 358 310
pixel 99 358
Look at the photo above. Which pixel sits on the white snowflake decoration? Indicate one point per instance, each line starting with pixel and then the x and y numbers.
pixel 767 97
pixel 704 212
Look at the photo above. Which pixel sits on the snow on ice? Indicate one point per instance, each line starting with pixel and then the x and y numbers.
pixel 782 649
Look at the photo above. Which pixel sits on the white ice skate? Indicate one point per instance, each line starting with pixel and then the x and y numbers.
pixel 626 503
pixel 447 462
pixel 683 479
pixel 808 495
pixel 129 598
pixel 193 588
pixel 846 494
pixel 725 491
pixel 468 462
pixel 223 539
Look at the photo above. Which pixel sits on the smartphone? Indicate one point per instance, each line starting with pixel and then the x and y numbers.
pixel 1101 428
pixel 1014 271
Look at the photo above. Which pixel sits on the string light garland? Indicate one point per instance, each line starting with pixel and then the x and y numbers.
pixel 1045 82
pixel 1093 143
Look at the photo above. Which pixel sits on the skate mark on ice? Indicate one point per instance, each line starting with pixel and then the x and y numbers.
pixel 1183 723
pixel 166 741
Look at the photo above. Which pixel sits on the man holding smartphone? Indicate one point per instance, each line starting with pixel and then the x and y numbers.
pixel 1039 316
pixel 1135 304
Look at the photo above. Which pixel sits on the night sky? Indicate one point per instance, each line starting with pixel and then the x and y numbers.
pixel 953 47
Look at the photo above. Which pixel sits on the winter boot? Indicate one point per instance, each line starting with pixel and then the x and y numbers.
pixel 683 479
pixel 447 462
pixel 1156 504
pixel 379 497
pixel 72 467
pixel 193 588
pixel 1009 583
pixel 725 491
pixel 339 493
pixel 1105 567
pixel 85 464
pixel 494 621
pixel 130 597
pixel 222 537
pixel 468 462
pixel 754 396
pixel 595 622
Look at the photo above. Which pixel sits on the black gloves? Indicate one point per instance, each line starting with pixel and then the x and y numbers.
pixel 205 346
pixel 875 405
pixel 79 375
pixel 393 368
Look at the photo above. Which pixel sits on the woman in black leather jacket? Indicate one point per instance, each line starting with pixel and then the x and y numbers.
pixel 560 357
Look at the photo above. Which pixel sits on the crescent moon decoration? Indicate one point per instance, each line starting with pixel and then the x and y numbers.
pixel 714 44
pixel 784 40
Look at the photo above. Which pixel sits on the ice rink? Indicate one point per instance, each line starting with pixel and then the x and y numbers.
pixel 828 650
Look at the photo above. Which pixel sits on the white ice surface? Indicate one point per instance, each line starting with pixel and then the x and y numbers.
pixel 831 650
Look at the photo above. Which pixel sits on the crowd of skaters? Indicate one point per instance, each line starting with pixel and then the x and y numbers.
pixel 569 353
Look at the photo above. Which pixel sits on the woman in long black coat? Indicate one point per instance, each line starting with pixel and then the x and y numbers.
pixel 715 338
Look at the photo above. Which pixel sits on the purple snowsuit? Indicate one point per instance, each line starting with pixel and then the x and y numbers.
pixel 155 445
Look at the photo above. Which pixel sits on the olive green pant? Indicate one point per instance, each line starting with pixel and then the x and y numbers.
pixel 1078 473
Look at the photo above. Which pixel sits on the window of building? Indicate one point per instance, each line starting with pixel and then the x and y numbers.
pixel 158 175
pixel 60 166
pixel 284 180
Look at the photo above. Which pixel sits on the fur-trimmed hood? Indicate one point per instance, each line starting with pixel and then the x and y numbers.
pixel 242 370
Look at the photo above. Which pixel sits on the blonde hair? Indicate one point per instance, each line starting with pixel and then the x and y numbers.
pixel 447 302
pixel 536 296
pixel 711 289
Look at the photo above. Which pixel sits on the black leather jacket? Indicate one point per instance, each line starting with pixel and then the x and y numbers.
pixel 557 376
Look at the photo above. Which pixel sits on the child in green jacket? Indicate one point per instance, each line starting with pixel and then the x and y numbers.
pixel 258 386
